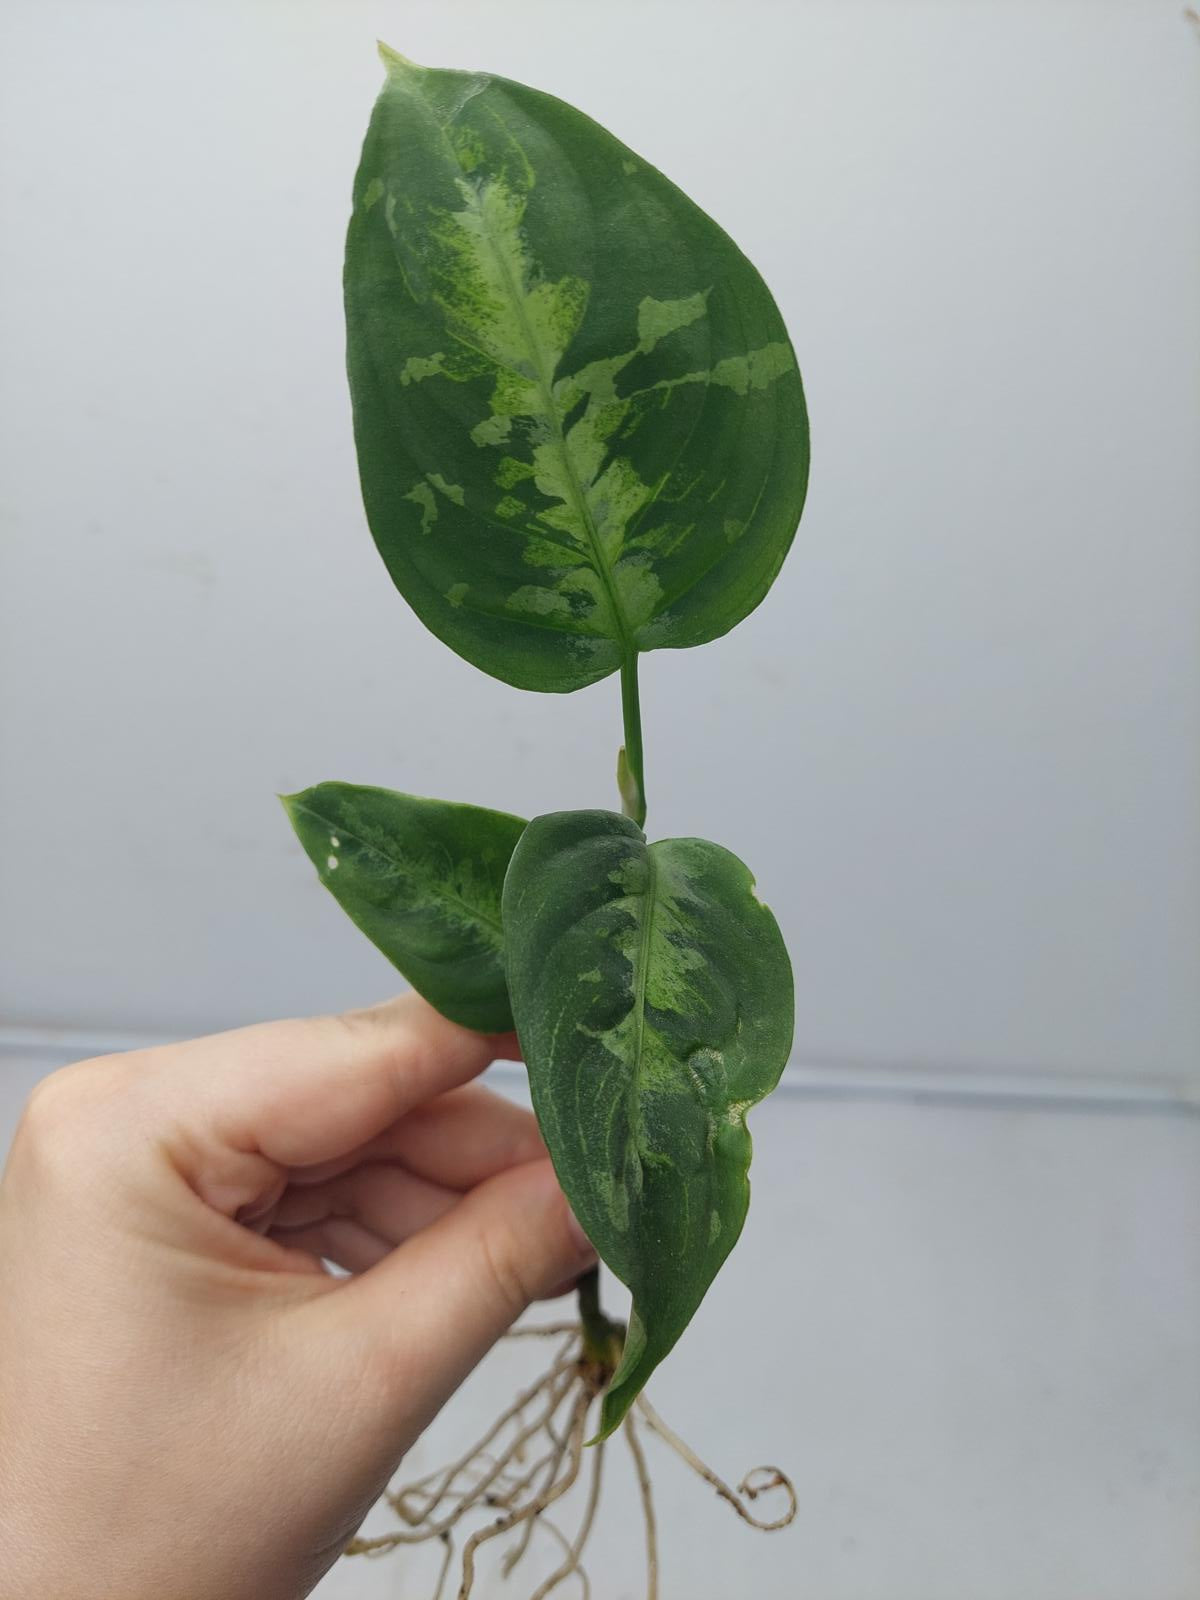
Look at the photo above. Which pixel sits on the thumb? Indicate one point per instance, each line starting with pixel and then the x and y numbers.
pixel 441 1300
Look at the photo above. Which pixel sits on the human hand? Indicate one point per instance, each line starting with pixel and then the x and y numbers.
pixel 190 1405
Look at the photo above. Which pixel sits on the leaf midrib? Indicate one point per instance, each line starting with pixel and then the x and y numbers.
pixel 544 381
pixel 439 889
pixel 639 995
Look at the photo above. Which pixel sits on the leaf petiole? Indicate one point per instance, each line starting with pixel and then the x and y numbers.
pixel 602 1337
pixel 631 780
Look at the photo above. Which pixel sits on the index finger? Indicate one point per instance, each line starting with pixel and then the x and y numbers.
pixel 306 1091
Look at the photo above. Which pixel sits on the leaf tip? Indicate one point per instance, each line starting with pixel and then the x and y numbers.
pixel 612 1414
pixel 396 64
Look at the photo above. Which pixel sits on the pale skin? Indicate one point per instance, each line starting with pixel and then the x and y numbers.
pixel 190 1404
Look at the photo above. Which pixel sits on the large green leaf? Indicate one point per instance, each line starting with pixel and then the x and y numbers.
pixel 423 880
pixel 580 425
pixel 653 1000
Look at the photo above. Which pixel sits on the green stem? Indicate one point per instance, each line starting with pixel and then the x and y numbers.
pixel 601 1335
pixel 631 778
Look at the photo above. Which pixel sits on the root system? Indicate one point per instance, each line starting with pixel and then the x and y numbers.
pixel 529 1460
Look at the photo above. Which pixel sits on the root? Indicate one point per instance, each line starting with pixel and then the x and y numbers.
pixel 417 1504
pixel 759 1480
pixel 531 1458
pixel 444 1573
pixel 553 1462
pixel 571 1564
pixel 545 1330
pixel 648 1517
pixel 537 1506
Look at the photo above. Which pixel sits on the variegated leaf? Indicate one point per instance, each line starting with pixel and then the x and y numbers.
pixel 653 999
pixel 423 881
pixel 580 426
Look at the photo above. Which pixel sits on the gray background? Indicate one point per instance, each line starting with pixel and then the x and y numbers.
pixel 958 743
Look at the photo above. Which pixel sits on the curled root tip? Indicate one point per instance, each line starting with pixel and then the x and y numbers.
pixel 759 1480
pixel 764 1480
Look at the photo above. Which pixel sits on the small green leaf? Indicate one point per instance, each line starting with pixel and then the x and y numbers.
pixel 423 880
pixel 653 999
pixel 580 426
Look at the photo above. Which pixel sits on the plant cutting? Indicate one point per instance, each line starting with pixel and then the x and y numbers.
pixel 581 437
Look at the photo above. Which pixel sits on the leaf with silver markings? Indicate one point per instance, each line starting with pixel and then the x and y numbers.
pixel 652 995
pixel 580 426
pixel 423 880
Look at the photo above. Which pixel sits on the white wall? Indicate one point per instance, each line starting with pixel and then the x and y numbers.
pixel 958 743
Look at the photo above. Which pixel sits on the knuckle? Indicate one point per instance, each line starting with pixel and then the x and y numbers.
pixel 501 1263
pixel 528 1144
pixel 354 1026
pixel 53 1111
pixel 369 1020
pixel 64 1106
pixel 377 1027
pixel 400 1047
pixel 54 1097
